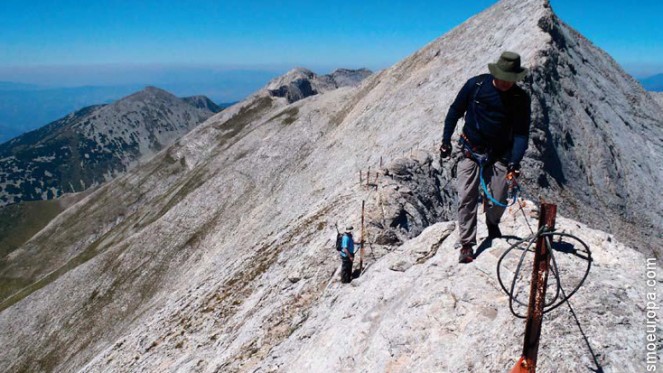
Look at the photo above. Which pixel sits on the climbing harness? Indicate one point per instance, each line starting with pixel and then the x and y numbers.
pixel 482 160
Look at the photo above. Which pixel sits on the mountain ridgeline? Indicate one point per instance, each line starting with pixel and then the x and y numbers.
pixel 301 83
pixel 216 254
pixel 25 107
pixel 95 144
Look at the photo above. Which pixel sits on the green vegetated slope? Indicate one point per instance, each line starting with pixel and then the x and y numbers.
pixel 21 221
pixel 18 224
pixel 109 217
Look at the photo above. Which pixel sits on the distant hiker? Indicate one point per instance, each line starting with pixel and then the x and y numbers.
pixel 347 252
pixel 495 135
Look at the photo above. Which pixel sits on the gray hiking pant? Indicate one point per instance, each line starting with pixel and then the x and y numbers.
pixel 468 194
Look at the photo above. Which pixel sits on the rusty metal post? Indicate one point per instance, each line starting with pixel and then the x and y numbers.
pixel 360 180
pixel 368 176
pixel 537 295
pixel 361 241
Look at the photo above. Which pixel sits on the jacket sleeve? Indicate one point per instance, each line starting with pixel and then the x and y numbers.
pixel 456 110
pixel 521 131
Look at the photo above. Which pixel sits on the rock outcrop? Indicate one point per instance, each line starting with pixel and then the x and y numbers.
pixel 300 83
pixel 408 199
pixel 658 97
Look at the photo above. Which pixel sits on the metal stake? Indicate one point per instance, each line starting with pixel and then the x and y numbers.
pixel 537 295
pixel 361 242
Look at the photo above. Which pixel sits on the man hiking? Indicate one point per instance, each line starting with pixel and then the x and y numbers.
pixel 494 139
pixel 347 255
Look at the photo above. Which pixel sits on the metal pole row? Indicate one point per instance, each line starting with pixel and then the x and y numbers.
pixel 365 179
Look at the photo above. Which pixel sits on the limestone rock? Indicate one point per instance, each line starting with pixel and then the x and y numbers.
pixel 658 97
pixel 294 277
pixel 300 83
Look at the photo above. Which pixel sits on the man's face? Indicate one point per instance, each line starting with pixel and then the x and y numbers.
pixel 502 85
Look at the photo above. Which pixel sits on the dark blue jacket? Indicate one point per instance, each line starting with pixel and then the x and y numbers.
pixel 495 120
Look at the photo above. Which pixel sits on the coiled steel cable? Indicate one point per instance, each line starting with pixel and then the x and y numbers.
pixel 555 301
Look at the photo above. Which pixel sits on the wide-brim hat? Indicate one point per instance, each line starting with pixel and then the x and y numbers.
pixel 349 229
pixel 508 68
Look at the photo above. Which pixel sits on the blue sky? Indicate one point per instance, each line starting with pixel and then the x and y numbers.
pixel 39 36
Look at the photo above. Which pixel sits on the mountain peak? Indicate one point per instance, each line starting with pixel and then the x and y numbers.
pixel 300 82
pixel 108 140
pixel 300 71
pixel 296 74
pixel 513 25
pixel 149 93
pixel 524 4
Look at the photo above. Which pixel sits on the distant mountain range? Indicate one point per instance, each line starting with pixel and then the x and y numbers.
pixel 25 107
pixel 653 83
pixel 95 144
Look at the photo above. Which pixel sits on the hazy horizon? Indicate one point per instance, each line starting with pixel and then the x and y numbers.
pixel 29 95
pixel 69 43
pixel 69 76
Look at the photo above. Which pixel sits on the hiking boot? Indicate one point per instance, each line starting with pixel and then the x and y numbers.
pixel 494 231
pixel 466 254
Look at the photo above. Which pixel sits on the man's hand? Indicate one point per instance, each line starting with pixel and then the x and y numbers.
pixel 512 173
pixel 445 150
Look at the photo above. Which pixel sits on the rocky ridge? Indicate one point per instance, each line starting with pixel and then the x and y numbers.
pixel 416 309
pixel 216 255
pixel 300 83
pixel 658 96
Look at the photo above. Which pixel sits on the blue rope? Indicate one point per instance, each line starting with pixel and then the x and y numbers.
pixel 516 189
pixel 481 161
